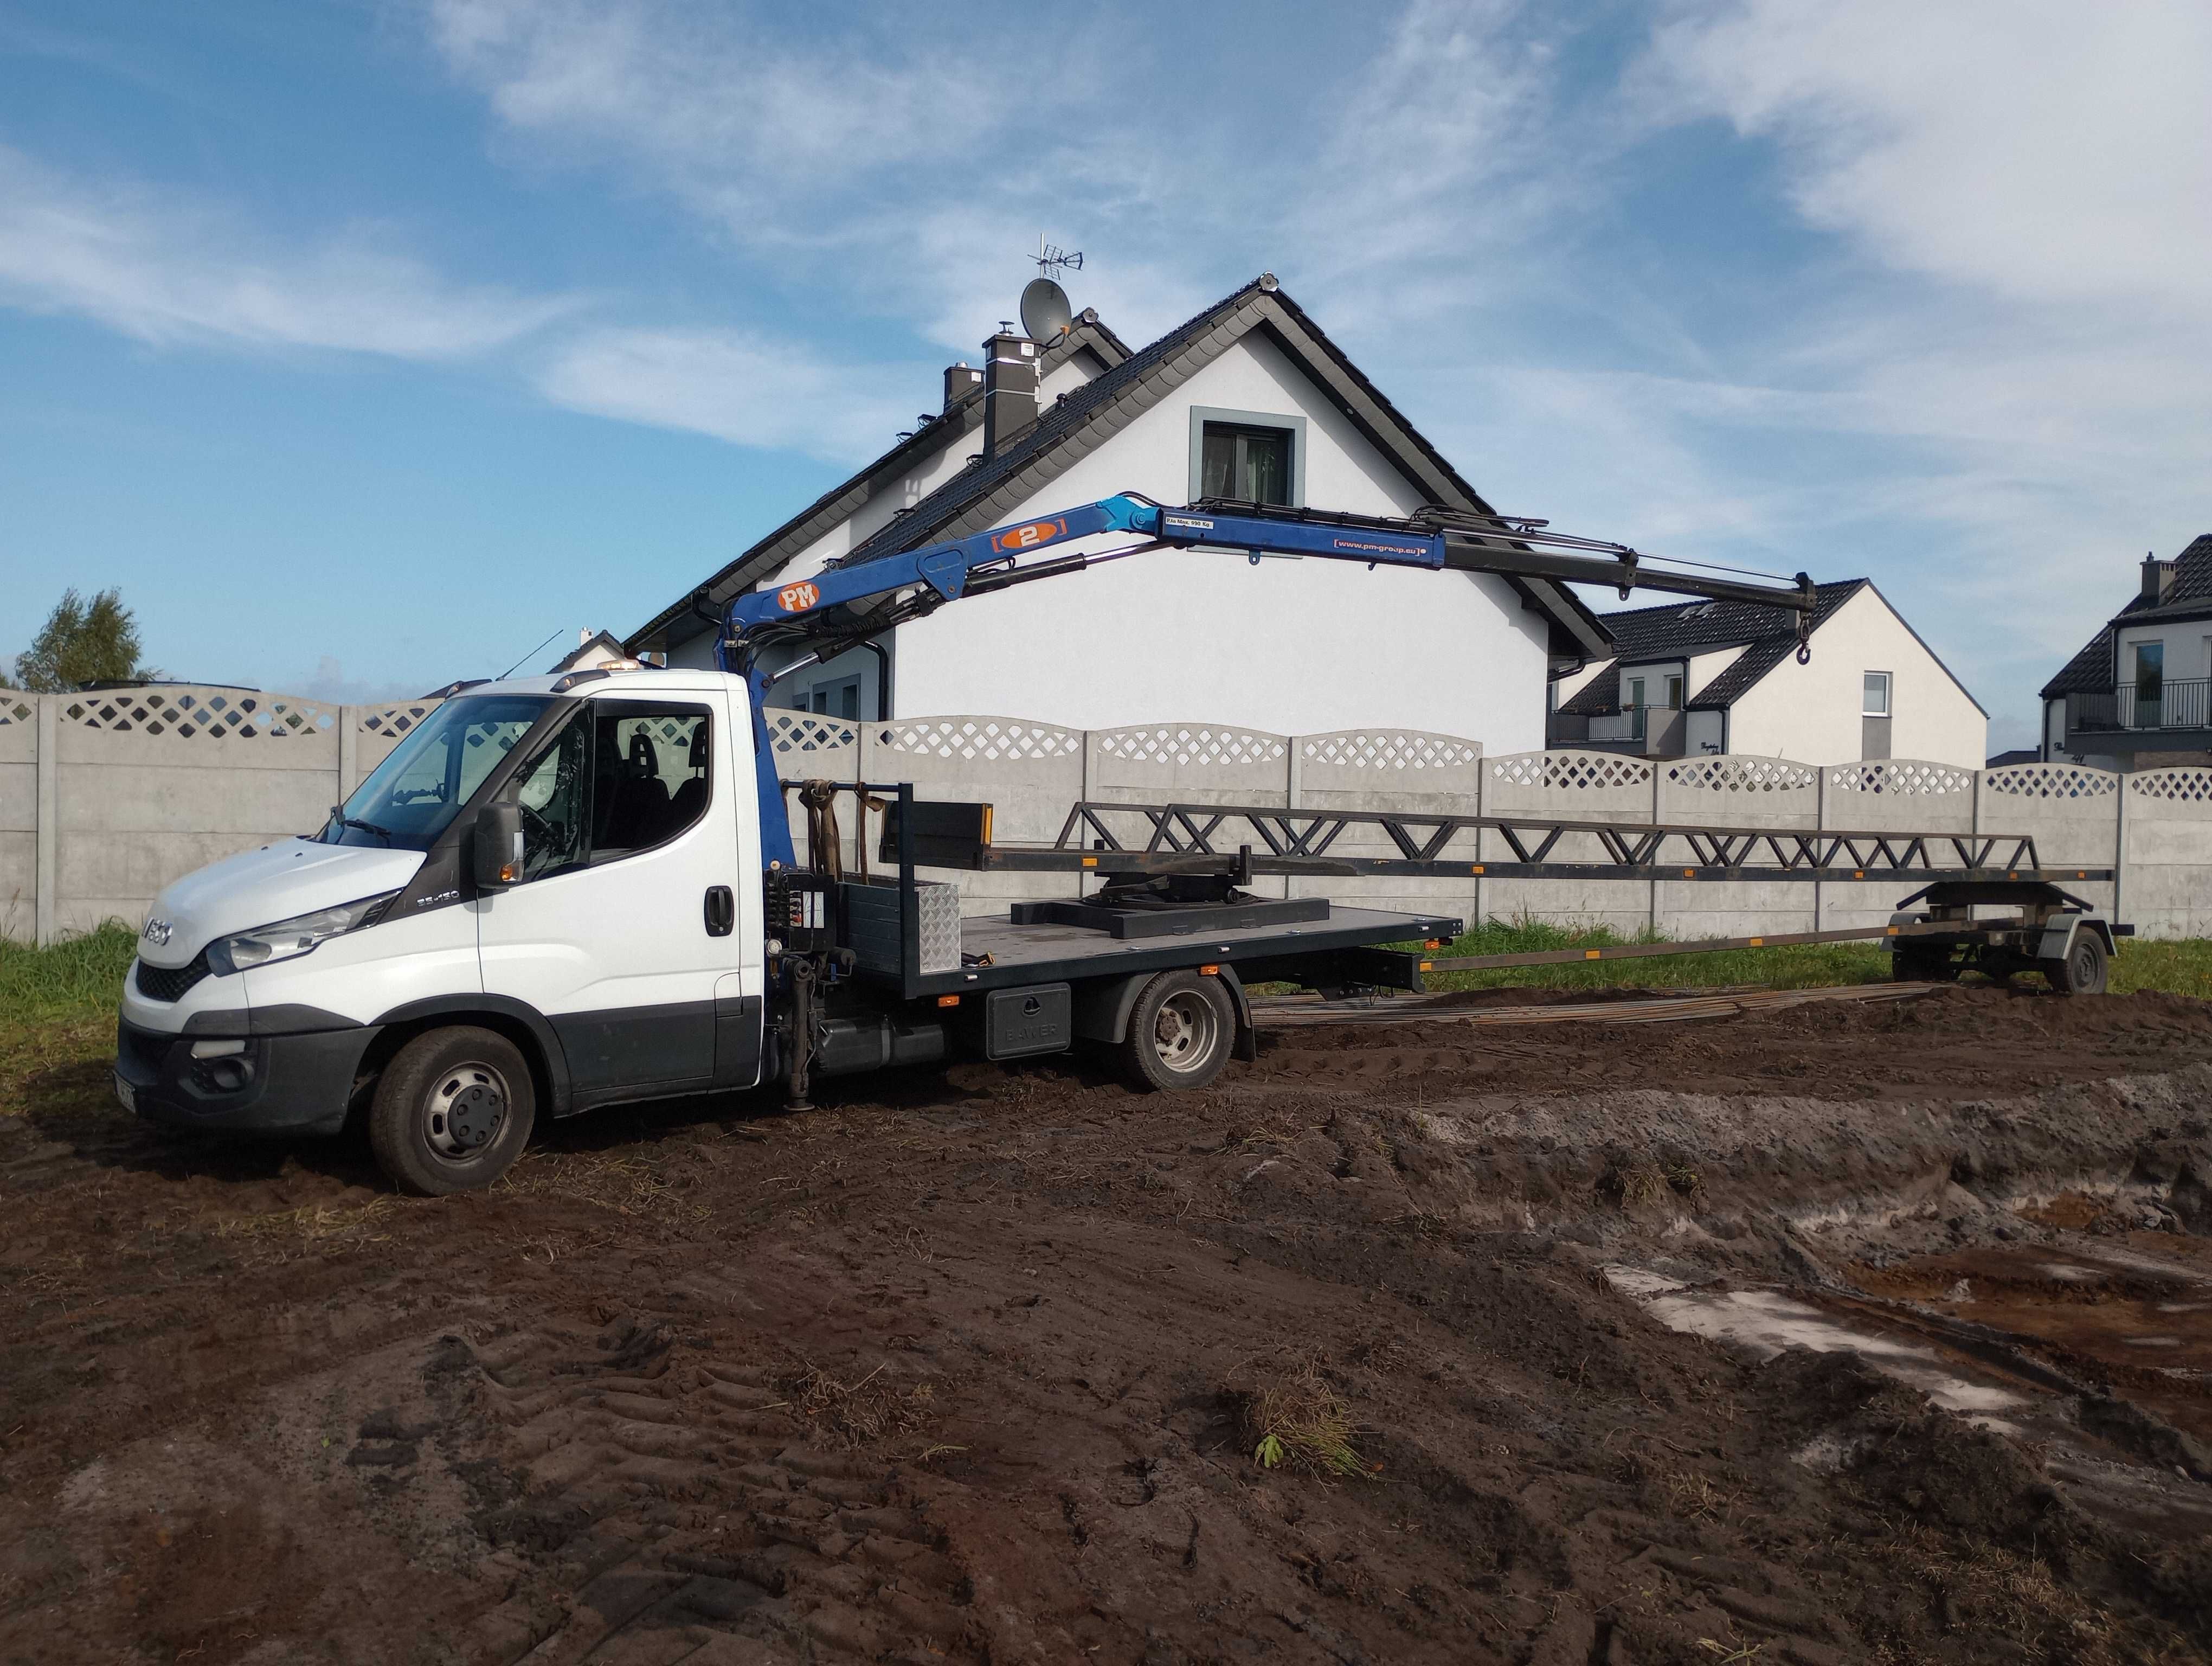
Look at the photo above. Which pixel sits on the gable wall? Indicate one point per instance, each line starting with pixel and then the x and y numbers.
pixel 1811 713
pixel 1285 646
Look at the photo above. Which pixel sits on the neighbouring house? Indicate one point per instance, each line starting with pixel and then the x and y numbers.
pixel 1706 676
pixel 2137 696
pixel 594 650
pixel 1249 399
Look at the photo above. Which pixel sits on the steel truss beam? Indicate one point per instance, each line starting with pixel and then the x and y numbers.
pixel 1195 838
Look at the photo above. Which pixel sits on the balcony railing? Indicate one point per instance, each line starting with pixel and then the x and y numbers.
pixel 2185 704
pixel 1652 731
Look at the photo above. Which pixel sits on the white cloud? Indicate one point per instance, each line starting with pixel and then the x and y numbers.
pixel 735 386
pixel 2031 148
pixel 168 271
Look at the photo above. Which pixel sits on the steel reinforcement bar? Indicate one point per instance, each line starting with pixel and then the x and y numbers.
pixel 1192 838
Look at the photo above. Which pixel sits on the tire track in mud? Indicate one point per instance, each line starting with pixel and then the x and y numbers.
pixel 676 1516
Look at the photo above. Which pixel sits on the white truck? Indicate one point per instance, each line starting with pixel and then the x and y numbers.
pixel 557 893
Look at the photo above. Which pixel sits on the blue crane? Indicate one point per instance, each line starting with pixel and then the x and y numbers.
pixel 843 606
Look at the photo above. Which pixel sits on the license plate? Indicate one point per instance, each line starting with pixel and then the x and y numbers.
pixel 127 1093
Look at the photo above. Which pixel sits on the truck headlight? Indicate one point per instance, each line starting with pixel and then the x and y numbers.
pixel 287 938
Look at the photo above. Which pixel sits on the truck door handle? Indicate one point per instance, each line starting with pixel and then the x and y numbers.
pixel 721 911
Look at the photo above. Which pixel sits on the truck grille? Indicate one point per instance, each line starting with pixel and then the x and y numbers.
pixel 170 982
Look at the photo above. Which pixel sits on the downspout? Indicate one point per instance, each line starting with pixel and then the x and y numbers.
pixel 882 680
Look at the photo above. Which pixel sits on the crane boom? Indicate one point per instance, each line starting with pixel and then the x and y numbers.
pixel 841 607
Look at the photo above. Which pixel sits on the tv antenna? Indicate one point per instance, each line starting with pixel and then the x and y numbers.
pixel 1054 262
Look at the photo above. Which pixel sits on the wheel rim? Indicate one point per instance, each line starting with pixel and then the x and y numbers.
pixel 463 1112
pixel 2085 967
pixel 1184 1031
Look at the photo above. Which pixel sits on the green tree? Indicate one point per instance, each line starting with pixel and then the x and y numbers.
pixel 82 642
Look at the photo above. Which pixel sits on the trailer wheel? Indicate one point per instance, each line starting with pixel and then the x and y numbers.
pixel 1180 1031
pixel 452 1111
pixel 2083 971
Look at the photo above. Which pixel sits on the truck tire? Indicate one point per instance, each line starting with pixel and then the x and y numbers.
pixel 1180 1032
pixel 2083 971
pixel 452 1111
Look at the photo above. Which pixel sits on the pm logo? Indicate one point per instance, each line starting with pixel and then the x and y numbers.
pixel 1028 536
pixel 797 597
pixel 158 933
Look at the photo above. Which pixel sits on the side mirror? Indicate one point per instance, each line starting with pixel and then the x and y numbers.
pixel 496 858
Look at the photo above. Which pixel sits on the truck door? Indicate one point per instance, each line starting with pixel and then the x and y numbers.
pixel 625 928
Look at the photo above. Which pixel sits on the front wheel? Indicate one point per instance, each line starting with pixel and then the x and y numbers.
pixel 1180 1031
pixel 452 1111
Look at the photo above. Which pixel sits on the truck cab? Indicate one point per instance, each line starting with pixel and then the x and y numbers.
pixel 620 955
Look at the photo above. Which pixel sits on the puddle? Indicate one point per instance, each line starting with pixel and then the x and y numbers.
pixel 1963 1372
pixel 2136 1315
pixel 1765 1321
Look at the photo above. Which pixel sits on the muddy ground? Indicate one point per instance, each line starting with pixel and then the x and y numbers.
pixel 974 1364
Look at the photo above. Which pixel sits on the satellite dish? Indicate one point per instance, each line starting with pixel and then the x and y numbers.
pixel 1045 311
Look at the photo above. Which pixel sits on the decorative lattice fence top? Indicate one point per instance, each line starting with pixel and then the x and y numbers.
pixel 1582 771
pixel 1743 775
pixel 1187 744
pixel 992 739
pixel 2174 786
pixel 200 714
pixel 12 710
pixel 2052 781
pixel 393 722
pixel 1389 749
pixel 1902 778
pixel 806 732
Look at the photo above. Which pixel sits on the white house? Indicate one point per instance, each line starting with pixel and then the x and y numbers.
pixel 1723 677
pixel 1249 399
pixel 2140 693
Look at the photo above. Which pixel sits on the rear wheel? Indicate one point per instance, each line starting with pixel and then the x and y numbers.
pixel 1179 1032
pixel 2083 971
pixel 452 1111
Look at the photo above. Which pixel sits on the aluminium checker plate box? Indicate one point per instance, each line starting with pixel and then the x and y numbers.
pixel 872 924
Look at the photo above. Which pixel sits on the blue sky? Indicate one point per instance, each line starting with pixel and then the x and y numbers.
pixel 365 344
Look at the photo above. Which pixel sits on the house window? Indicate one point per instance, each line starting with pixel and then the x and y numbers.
pixel 1635 693
pixel 1674 694
pixel 1251 456
pixel 1876 703
pixel 838 699
pixel 2150 684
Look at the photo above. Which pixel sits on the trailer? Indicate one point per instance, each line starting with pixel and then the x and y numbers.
pixel 563 893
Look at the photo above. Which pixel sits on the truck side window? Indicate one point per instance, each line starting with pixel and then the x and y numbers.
pixel 650 775
pixel 550 789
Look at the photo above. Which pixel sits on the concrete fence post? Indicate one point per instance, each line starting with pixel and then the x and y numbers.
pixel 349 751
pixel 45 909
pixel 1820 822
pixel 1657 769
pixel 2120 847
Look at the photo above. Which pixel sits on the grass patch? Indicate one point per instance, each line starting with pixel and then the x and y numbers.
pixel 1301 1423
pixel 77 977
pixel 1802 966
pixel 2181 968
pixel 58 1010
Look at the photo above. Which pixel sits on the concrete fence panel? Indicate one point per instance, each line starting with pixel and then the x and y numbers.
pixel 1410 770
pixel 812 747
pixel 2167 852
pixel 19 815
pixel 1031 774
pixel 1749 792
pixel 151 783
pixel 2071 812
pixel 1894 795
pixel 1567 786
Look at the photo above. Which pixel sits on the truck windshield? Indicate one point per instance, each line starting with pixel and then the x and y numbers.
pixel 411 797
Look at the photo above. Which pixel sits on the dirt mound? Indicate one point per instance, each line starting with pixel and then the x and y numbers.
pixel 985 1366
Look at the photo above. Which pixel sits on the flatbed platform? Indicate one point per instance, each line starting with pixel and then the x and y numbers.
pixel 1048 953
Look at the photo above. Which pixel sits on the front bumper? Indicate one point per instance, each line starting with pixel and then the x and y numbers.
pixel 284 1084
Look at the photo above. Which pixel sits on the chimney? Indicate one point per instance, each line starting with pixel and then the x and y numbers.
pixel 2157 579
pixel 1010 389
pixel 960 380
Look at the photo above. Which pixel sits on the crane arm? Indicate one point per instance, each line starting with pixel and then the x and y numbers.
pixel 842 606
